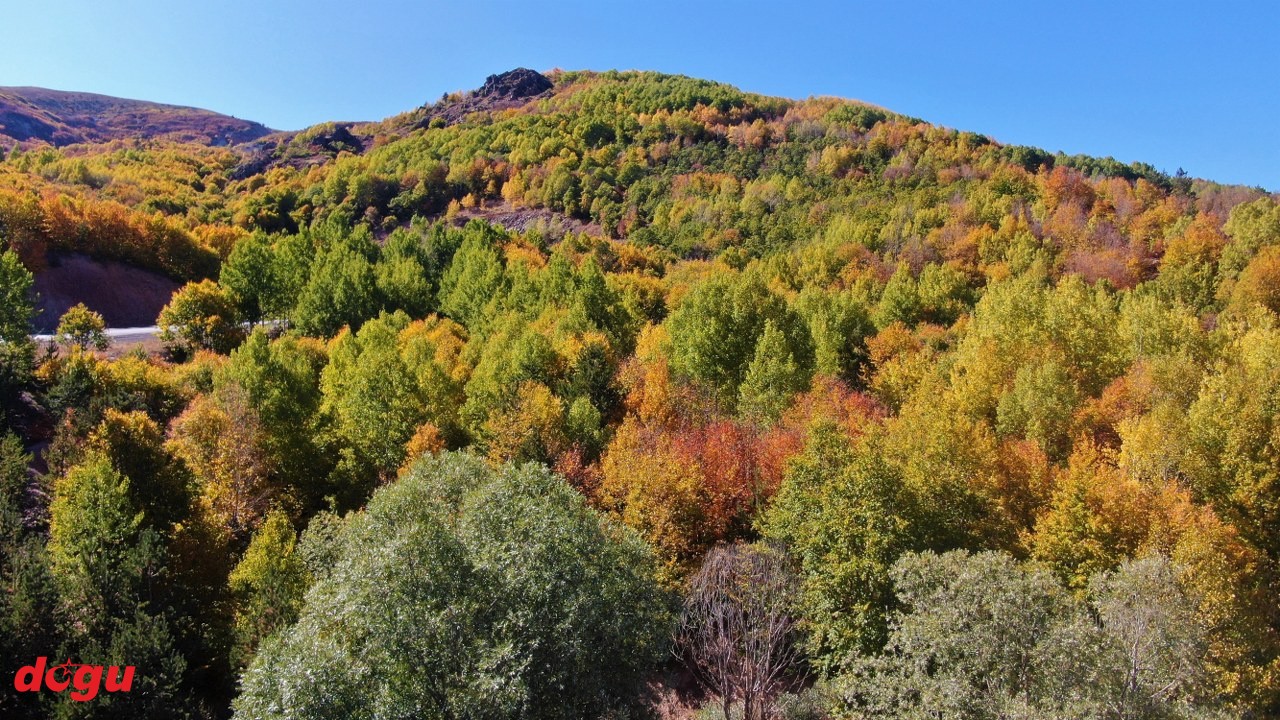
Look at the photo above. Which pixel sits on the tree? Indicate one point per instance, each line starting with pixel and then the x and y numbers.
pixel 221 439
pixel 27 590
pixel 371 395
pixel 17 351
pixel 468 591
pixel 134 445
pixel 406 275
pixel 1096 518
pixel 342 291
pixel 531 428
pixel 268 586
pixel 1251 227
pixel 15 302
pixel 200 316
pixel 514 352
pixel 846 517
pixel 1156 641
pixel 1258 282
pixel 969 641
pixel 83 328
pixel 839 325
pixel 250 275
pixel 772 378
pixel 738 631
pixel 473 279
pixel 1039 407
pixel 715 329
pixel 282 381
pixel 978 636
pixel 900 301
pixel 1234 436
pixel 654 489
pixel 109 566
pixel 944 294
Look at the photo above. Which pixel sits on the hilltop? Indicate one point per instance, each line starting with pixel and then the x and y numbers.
pixel 34 116
pixel 678 167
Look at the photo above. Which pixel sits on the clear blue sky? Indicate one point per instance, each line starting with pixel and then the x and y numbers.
pixel 1177 84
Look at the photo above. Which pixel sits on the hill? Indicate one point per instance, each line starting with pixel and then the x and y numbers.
pixel 31 115
pixel 987 403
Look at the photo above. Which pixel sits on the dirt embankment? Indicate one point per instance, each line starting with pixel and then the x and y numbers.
pixel 126 296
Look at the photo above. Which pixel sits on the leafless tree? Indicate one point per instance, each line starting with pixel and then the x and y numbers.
pixel 738 632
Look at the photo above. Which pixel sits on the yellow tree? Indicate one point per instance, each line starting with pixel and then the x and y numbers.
pixel 220 437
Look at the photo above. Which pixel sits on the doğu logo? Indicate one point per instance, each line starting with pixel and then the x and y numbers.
pixel 85 680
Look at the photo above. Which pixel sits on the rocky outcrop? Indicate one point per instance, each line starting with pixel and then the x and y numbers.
pixel 514 84
pixel 503 91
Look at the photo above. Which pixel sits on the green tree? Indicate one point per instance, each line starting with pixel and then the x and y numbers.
pixel 15 299
pixel 342 291
pixel 1251 227
pixel 846 518
pixel 27 627
pixel 267 585
pixel 405 285
pixel 969 643
pixel 370 394
pixel 715 329
pixel 1235 437
pixel 83 328
pixel 513 354
pixel 282 380
pixel 109 567
pixel 601 305
pixel 771 380
pixel 468 591
pixel 134 445
pixel 406 275
pixel 250 275
pixel 981 637
pixel 1155 642
pixel 900 301
pixel 944 294
pixel 200 316
pixel 1039 407
pixel 474 278
pixel 839 325
pixel 17 351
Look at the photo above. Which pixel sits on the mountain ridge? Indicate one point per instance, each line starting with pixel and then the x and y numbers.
pixel 32 116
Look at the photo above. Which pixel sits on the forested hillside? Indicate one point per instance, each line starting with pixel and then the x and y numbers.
pixel 612 394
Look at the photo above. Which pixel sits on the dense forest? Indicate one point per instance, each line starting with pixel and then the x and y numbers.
pixel 627 394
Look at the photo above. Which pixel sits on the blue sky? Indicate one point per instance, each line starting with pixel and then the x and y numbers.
pixel 1176 84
